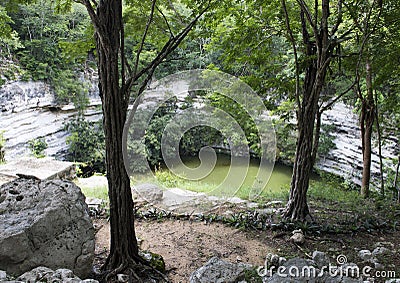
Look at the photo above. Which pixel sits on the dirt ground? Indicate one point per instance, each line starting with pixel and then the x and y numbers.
pixel 186 245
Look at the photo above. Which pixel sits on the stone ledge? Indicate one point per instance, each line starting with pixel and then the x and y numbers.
pixel 38 168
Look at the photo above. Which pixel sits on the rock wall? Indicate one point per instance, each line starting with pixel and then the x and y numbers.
pixel 29 111
pixel 346 159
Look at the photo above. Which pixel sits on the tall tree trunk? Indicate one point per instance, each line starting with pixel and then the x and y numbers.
pixel 379 131
pixel 396 178
pixel 367 122
pixel 124 248
pixel 318 52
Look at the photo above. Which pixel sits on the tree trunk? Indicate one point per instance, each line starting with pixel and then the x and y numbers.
pixel 124 248
pixel 396 178
pixel 367 122
pixel 318 52
pixel 297 208
pixel 378 130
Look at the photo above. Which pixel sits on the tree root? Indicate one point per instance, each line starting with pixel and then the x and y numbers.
pixel 303 251
pixel 139 272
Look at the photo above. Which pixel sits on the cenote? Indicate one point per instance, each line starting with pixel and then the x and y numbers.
pixel 202 179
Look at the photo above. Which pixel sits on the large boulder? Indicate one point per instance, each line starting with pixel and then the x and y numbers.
pixel 45 223
pixel 217 270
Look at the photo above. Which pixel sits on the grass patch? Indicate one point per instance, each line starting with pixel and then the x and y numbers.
pixel 333 193
pixel 100 192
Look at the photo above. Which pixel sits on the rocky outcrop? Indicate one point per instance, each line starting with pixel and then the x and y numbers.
pixel 38 168
pixel 220 271
pixel 28 110
pixel 319 269
pixel 346 159
pixel 44 223
pixel 44 274
pixel 184 201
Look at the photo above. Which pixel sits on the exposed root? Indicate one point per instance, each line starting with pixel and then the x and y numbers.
pixel 138 273
pixel 116 271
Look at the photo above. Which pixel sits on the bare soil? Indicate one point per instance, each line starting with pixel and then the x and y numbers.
pixel 187 245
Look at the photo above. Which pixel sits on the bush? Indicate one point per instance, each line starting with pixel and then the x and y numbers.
pixel 150 147
pixel 86 144
pixel 37 147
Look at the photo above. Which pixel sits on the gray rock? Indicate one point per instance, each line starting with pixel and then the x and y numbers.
pixel 298 262
pixel 274 203
pixel 44 223
pixel 3 275
pixel 388 245
pixel 219 271
pixel 150 192
pixel 365 255
pixel 122 278
pixel 266 211
pixel 44 274
pixel 274 260
pixel 38 168
pixel 298 237
pixel 40 273
pixel 29 110
pixel 320 259
pixel 393 281
pixel 380 251
pixel 379 266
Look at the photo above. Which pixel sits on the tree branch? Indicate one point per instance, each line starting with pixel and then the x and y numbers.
pixel 334 100
pixel 96 23
pixel 293 42
pixel 153 4
pixel 166 22
pixel 168 47
pixel 339 18
pixel 306 10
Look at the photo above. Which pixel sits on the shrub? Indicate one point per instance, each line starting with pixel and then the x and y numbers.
pixel 37 147
pixel 86 144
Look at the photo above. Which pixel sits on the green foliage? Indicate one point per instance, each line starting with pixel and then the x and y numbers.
pixel 37 147
pixel 334 190
pixel 50 47
pixel 242 117
pixel 86 144
pixel 150 147
pixel 100 192
pixel 167 179
pixel 5 21
pixel 286 141
pixel 251 275
pixel 68 88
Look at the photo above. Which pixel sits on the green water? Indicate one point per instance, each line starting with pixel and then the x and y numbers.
pixel 239 182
